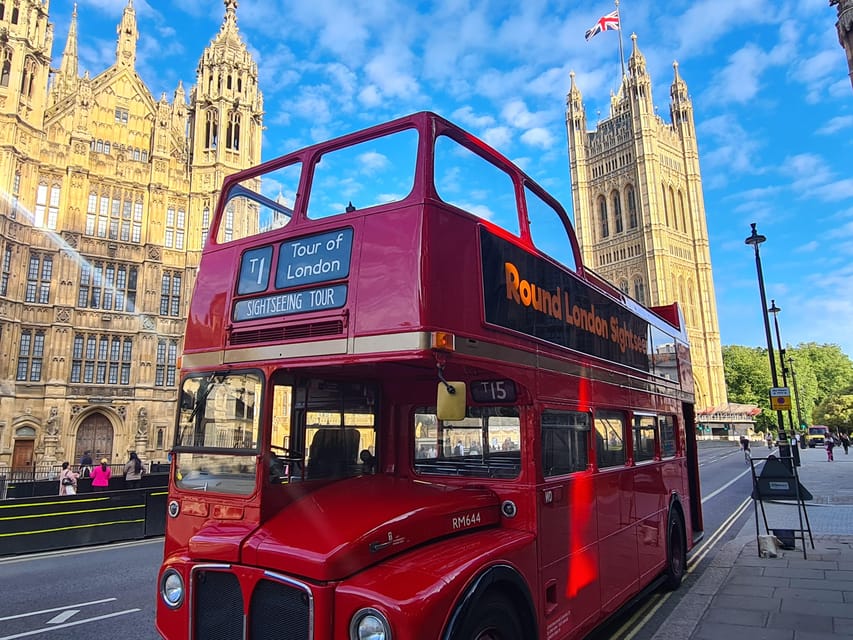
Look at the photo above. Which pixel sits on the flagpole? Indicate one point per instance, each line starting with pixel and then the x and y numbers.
pixel 621 53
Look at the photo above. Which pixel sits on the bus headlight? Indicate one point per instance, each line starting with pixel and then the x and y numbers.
pixel 172 588
pixel 369 624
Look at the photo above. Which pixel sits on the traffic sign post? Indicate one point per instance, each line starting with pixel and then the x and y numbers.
pixel 780 398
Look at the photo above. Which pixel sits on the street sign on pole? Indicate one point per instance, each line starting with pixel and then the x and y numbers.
pixel 780 398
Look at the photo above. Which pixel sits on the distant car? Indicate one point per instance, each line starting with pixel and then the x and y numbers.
pixel 817 436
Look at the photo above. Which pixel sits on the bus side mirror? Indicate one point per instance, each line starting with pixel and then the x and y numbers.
pixel 450 405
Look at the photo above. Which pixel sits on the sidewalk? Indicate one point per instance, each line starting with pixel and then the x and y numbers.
pixel 742 595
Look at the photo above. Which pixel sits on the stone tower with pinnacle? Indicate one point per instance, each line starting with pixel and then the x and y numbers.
pixel 639 209
pixel 107 193
pixel 225 115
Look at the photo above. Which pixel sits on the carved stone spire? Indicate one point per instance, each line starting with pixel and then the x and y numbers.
pixel 66 81
pixel 845 29
pixel 128 34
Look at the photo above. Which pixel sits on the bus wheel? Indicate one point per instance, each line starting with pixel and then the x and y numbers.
pixel 676 551
pixel 493 618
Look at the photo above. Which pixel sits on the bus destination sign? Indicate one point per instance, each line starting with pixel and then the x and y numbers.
pixel 319 258
pixel 525 293
pixel 287 303
pixel 304 261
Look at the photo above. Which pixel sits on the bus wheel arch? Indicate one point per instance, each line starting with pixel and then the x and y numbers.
pixel 498 598
pixel 676 546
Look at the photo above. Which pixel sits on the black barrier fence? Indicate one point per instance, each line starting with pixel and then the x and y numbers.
pixel 30 489
pixel 46 523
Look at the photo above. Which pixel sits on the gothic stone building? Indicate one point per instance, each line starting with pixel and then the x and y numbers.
pixel 640 213
pixel 108 194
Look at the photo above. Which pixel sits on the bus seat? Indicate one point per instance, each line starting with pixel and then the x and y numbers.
pixel 333 452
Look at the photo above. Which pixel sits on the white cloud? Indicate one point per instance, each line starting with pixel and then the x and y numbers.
pixel 833 125
pixel 466 116
pixel 538 137
pixel 372 161
pixel 498 137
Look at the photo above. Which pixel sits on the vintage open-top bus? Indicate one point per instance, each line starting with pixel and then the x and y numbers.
pixel 407 410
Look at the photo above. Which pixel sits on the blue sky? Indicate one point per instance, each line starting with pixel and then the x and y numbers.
pixel 772 99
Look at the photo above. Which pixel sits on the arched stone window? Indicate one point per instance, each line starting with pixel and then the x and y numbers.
pixel 681 211
pixel 665 209
pixel 672 208
pixel 211 129
pixel 232 133
pixel 28 75
pixel 617 212
pixel 639 290
pixel 632 206
pixel 6 68
pixel 623 287
pixel 602 217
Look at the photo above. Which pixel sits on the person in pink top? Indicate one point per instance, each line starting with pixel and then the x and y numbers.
pixel 101 476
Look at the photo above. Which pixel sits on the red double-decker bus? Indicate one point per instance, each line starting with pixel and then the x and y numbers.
pixel 409 411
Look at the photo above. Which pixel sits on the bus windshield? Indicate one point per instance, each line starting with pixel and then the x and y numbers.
pixel 218 433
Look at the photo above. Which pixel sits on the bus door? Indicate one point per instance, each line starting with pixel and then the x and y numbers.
pixel 567 527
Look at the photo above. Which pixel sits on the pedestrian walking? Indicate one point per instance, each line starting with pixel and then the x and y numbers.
pixel 845 442
pixel 769 439
pixel 830 445
pixel 133 471
pixel 744 444
pixel 67 480
pixel 86 465
pixel 101 476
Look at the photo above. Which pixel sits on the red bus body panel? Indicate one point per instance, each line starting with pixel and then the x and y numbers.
pixel 582 544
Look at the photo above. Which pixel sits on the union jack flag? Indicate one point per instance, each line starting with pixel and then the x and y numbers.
pixel 610 21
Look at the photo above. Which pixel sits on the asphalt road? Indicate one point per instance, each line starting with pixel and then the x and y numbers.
pixel 110 591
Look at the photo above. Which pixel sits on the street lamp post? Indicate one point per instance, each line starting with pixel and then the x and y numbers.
pixel 756 239
pixel 775 311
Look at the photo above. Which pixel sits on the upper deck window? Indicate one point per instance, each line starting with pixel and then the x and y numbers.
pixel 363 175
pixel 259 205
pixel 470 182
pixel 547 230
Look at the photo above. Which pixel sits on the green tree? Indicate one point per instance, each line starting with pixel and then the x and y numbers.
pixel 822 371
pixel 748 381
pixel 836 412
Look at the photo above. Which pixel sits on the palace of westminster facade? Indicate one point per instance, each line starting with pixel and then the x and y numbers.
pixel 107 198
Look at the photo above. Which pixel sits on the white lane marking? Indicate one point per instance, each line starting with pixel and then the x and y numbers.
pixel 68 624
pixel 68 606
pixel 726 486
pixel 64 616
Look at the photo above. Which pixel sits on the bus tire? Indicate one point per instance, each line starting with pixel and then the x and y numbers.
pixel 676 551
pixel 493 618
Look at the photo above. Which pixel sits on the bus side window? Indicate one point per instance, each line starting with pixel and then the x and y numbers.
pixel 667 436
pixel 645 434
pixel 565 442
pixel 610 438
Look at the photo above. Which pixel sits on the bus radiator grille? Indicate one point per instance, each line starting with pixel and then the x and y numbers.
pixel 289 332
pixel 279 612
pixel 218 613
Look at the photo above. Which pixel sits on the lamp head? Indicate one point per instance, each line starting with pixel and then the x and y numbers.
pixel 773 308
pixel 756 238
